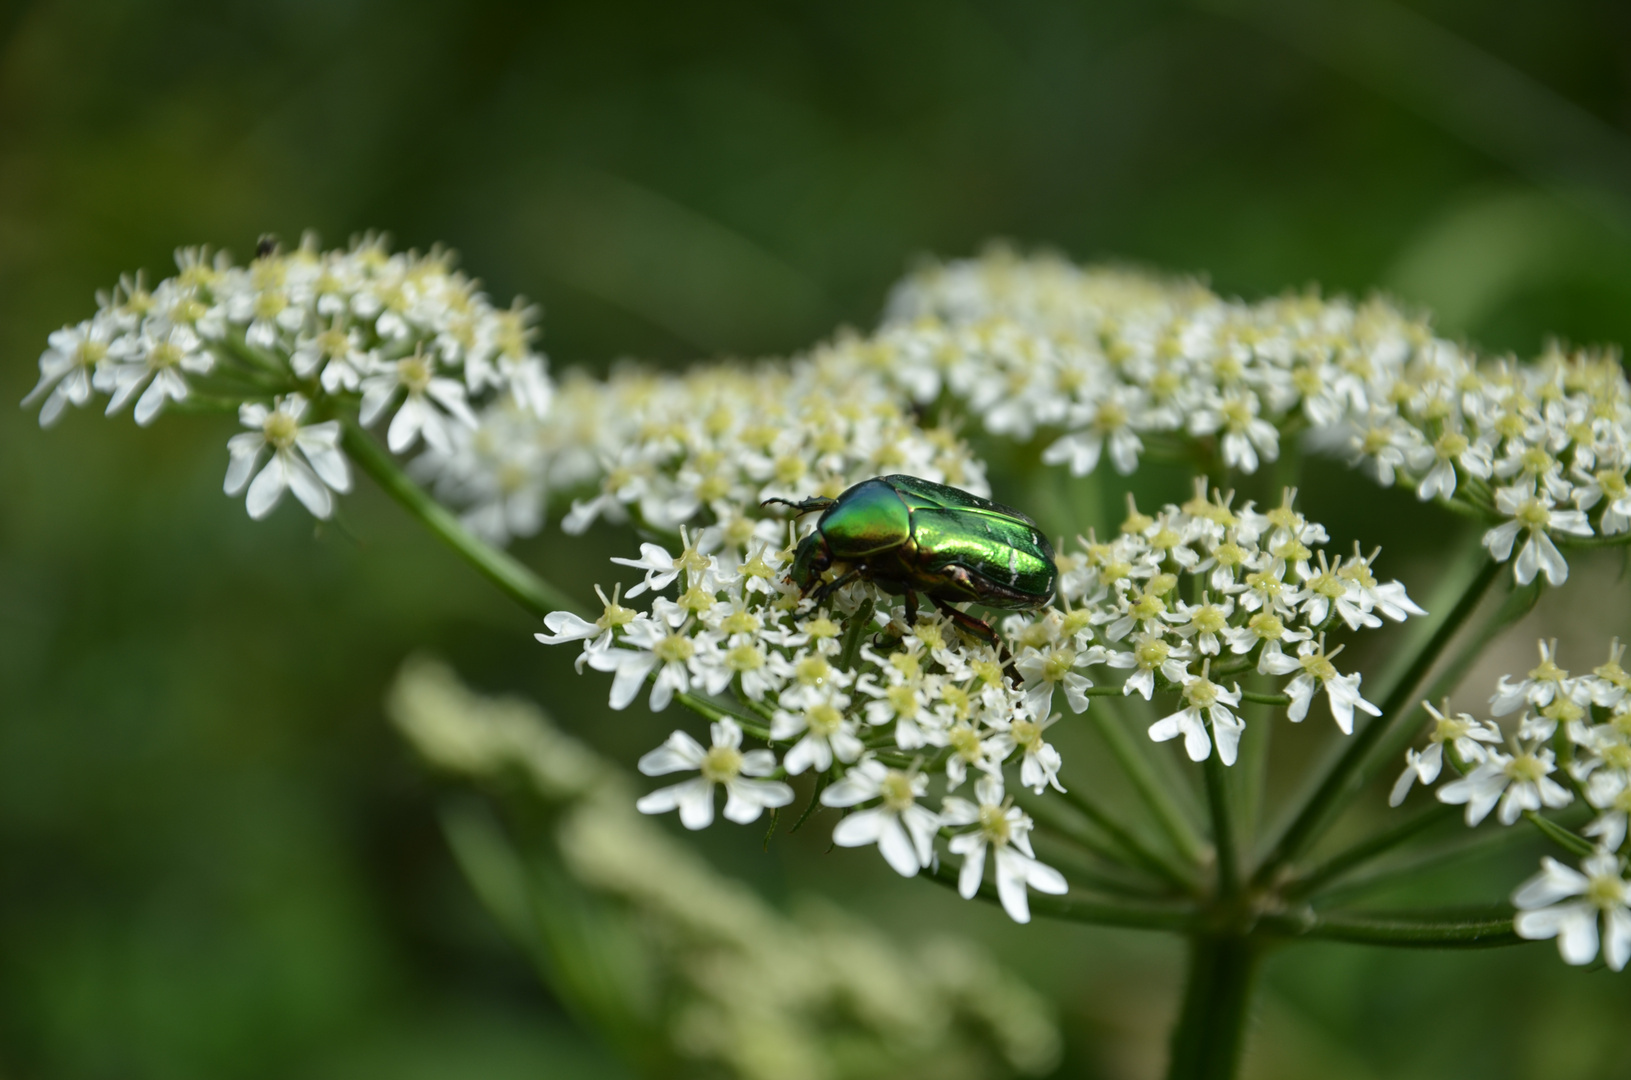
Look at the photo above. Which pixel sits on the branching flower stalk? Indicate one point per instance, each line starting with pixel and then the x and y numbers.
pixel 897 726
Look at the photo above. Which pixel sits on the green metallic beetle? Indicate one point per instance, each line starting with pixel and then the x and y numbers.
pixel 910 536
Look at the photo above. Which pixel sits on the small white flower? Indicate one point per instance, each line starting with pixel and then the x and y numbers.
pixel 1536 514
pixel 1460 731
pixel 305 458
pixel 1546 909
pixel 1610 792
pixel 68 366
pixel 827 732
pixel 1518 782
pixel 903 830
pixel 662 568
pixel 155 367
pixel 669 651
pixel 1203 696
pixel 723 764
pixel 1004 829
pixel 565 626
pixel 429 403
pixel 1544 682
pixel 1044 669
pixel 1341 691
pixel 1040 762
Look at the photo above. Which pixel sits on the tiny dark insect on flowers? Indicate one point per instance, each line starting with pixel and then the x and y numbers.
pixel 910 536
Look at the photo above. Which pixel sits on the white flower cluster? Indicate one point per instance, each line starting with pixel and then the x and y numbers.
pixel 393 335
pixel 1585 718
pixel 672 449
pixel 1114 362
pixel 720 438
pixel 877 707
pixel 1199 592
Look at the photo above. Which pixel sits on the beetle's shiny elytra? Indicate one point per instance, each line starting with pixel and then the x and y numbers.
pixel 910 536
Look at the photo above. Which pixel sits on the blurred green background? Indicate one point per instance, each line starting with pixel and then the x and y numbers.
pixel 215 858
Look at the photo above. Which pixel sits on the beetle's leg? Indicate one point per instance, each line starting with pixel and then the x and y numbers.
pixel 968 622
pixel 807 506
pixel 834 585
pixel 911 610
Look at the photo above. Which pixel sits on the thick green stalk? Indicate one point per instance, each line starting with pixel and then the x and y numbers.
pixel 1168 815
pixel 1335 787
pixel 1211 1029
pixel 517 582
pixel 1223 826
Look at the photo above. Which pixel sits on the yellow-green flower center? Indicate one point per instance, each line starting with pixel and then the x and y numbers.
pixel 823 719
pixel 896 790
pixel 280 430
pixel 674 649
pixel 722 763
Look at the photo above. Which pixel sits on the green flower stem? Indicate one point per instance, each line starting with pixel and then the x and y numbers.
pixel 533 593
pixel 1337 784
pixel 1416 930
pixel 1435 859
pixel 1050 820
pixel 1352 858
pixel 1094 874
pixel 1077 908
pixel 1211 1029
pixel 1517 604
pixel 1134 849
pixel 1156 795
pixel 854 633
pixel 1281 700
pixel 1223 826
pixel 1565 838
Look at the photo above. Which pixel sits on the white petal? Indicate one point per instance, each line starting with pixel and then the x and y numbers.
pixel 973 869
pixel 1617 937
pixel 858 829
pixel 678 753
pixel 330 464
pixel 267 488
pixel 308 489
pixel 245 456
pixel 1554 882
pixel 896 847
pixel 1577 934
pixel 630 677
pixel 696 799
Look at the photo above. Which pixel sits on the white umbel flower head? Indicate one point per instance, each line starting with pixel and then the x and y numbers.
pixel 305 458
pixel 1568 904
pixel 723 764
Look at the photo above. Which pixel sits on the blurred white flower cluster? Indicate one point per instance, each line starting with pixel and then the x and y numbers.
pixel 1584 720
pixel 1104 361
pixel 401 337
pixel 726 979
pixel 1177 602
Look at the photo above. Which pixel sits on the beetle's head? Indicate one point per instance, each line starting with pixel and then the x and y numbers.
pixel 810 560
